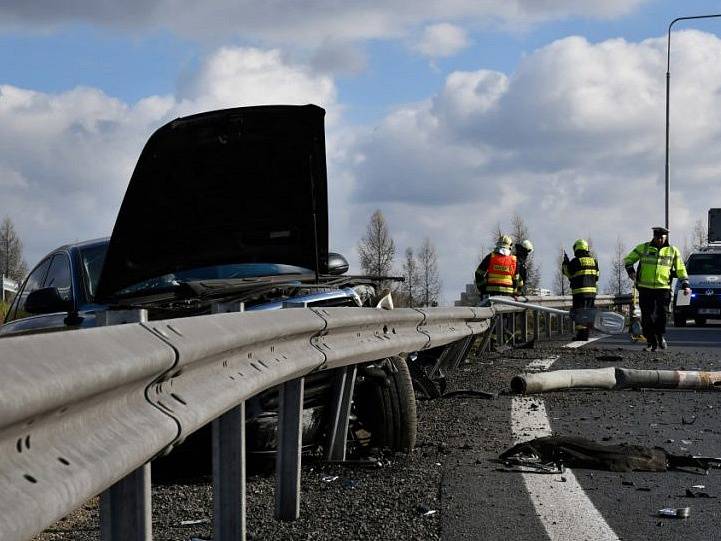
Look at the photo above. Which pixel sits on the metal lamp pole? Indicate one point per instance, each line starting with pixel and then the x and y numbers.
pixel 668 87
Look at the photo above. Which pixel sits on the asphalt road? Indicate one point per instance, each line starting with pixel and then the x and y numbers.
pixel 484 503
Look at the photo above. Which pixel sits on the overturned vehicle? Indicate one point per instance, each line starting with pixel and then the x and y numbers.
pixel 227 210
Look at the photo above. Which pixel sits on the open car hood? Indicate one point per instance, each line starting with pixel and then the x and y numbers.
pixel 244 185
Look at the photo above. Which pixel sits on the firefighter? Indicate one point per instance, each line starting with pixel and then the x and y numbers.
pixel 582 271
pixel 522 250
pixel 658 263
pixel 497 274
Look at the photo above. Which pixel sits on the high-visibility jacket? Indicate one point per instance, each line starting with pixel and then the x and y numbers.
pixel 583 273
pixel 657 266
pixel 501 276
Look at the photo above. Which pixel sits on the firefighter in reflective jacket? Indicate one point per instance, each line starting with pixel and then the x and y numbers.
pixel 658 264
pixel 497 274
pixel 582 271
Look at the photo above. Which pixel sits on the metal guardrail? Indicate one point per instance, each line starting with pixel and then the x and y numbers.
pixel 86 410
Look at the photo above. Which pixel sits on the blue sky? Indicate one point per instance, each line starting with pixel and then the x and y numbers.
pixel 486 118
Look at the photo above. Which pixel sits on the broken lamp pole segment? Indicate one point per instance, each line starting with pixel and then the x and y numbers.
pixel 605 322
pixel 614 378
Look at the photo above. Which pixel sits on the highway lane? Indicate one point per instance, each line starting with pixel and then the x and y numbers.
pixel 483 503
pixel 690 338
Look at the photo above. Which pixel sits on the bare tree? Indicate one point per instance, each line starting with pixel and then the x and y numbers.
pixel 410 287
pixel 520 232
pixel 697 239
pixel 377 249
pixel 560 285
pixel 430 281
pixel 12 263
pixel 618 281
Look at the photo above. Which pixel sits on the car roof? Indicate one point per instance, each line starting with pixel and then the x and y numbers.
pixel 714 248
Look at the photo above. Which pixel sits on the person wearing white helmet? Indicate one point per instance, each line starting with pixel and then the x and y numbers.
pixel 497 274
pixel 522 250
pixel 582 271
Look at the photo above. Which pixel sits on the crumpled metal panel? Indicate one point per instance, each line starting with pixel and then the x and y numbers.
pixel 356 335
pixel 74 419
pixel 224 359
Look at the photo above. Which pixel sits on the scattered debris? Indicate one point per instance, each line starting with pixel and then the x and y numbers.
pixel 614 378
pixel 329 478
pixel 350 484
pixel 471 394
pixel 685 422
pixel 697 494
pixel 681 512
pixel 424 511
pixel 551 452
pixel 194 522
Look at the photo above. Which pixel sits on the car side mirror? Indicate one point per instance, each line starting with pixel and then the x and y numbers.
pixel 47 300
pixel 337 264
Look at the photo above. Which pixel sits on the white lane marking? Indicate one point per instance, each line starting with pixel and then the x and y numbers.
pixel 584 342
pixel 563 508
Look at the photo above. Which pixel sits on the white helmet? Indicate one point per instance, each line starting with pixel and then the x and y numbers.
pixel 528 245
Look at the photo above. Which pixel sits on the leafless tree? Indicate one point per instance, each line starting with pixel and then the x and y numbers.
pixel 618 281
pixel 560 282
pixel 697 239
pixel 520 232
pixel 430 281
pixel 409 290
pixel 377 249
pixel 12 263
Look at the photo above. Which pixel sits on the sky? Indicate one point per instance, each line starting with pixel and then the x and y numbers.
pixel 450 117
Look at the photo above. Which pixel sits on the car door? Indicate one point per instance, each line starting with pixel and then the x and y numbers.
pixel 52 272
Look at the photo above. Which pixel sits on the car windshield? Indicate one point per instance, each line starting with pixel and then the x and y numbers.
pixel 704 264
pixel 94 257
pixel 234 271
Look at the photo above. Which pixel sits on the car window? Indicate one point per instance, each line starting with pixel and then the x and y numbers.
pixel 34 281
pixel 704 264
pixel 59 276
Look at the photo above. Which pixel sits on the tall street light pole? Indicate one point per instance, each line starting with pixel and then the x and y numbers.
pixel 668 87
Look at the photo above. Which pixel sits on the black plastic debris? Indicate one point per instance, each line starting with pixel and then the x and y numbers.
pixel 576 452
pixel 471 394
pixel 695 493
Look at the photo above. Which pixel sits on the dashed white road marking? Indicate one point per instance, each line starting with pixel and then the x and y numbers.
pixel 563 507
pixel 580 343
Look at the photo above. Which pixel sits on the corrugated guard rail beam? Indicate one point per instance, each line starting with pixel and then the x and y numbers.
pixel 83 409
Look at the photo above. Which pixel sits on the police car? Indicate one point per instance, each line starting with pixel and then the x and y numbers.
pixel 704 277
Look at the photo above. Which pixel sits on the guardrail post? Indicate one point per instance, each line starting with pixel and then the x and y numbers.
pixel 126 507
pixel 229 475
pixel 513 328
pixel 549 323
pixel 489 334
pixel 499 330
pixel 536 326
pixel 342 400
pixel 463 352
pixel 524 326
pixel 125 510
pixel 287 465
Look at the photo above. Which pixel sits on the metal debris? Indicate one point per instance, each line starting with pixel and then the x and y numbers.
pixel 681 512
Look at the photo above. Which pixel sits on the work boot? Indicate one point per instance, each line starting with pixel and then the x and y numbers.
pixel 662 343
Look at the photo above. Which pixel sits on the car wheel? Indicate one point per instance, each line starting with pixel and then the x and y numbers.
pixel 700 321
pixel 385 406
pixel 679 321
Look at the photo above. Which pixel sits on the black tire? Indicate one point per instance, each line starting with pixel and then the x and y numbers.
pixel 679 321
pixel 700 321
pixel 388 407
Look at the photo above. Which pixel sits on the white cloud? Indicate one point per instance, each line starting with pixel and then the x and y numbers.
pixel 573 141
pixel 65 159
pixel 442 40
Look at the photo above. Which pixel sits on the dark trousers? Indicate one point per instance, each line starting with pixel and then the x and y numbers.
pixel 583 301
pixel 653 303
